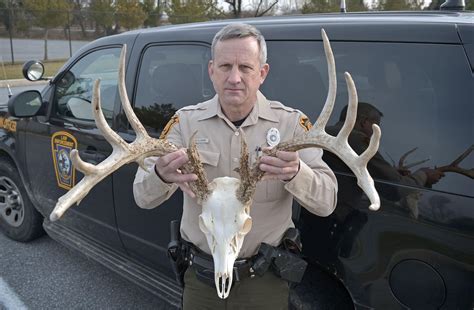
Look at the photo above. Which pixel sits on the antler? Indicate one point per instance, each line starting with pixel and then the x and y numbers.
pixel 401 163
pixel 454 166
pixel 123 153
pixel 317 137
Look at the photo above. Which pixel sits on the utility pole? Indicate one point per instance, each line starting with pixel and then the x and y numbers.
pixel 10 25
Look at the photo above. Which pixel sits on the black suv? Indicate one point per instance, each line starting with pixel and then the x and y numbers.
pixel 416 68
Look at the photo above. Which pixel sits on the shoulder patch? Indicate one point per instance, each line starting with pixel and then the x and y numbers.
pixel 174 120
pixel 305 123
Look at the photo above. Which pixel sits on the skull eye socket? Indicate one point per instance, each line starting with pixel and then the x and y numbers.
pixel 247 226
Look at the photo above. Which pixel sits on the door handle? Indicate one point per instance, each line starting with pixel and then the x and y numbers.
pixel 92 156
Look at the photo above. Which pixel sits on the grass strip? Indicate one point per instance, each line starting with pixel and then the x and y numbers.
pixel 12 72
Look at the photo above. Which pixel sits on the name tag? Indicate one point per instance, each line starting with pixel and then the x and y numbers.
pixel 202 140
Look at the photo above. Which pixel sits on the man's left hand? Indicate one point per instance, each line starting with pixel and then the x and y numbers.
pixel 282 167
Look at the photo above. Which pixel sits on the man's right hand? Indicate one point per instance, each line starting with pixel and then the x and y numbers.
pixel 432 176
pixel 167 167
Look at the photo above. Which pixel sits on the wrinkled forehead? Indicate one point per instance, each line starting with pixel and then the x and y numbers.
pixel 237 49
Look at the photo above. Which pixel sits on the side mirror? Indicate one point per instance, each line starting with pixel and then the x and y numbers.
pixel 25 104
pixel 33 70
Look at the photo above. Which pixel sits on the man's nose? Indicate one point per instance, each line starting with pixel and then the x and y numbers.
pixel 234 76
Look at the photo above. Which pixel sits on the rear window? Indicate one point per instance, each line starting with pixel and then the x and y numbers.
pixel 425 92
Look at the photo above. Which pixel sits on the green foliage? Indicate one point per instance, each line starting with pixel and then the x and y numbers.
pixel 470 5
pixel 102 12
pixel 152 12
pixel 48 13
pixel 130 13
pixel 327 6
pixel 192 11
pixel 399 5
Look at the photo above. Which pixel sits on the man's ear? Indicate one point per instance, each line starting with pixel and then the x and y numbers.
pixel 210 68
pixel 264 72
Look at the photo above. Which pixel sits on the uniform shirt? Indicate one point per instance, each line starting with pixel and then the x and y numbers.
pixel 219 142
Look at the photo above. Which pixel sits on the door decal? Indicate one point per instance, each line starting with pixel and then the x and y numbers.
pixel 62 143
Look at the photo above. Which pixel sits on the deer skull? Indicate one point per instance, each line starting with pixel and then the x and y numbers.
pixel 225 221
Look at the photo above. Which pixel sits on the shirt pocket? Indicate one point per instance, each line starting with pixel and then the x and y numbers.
pixel 209 158
pixel 269 190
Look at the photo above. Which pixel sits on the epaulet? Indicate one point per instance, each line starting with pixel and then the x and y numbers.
pixel 200 106
pixel 280 106
pixel 303 120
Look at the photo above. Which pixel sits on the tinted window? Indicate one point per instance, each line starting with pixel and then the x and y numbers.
pixel 425 92
pixel 171 77
pixel 74 91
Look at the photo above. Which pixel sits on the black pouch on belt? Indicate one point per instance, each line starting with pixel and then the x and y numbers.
pixel 177 253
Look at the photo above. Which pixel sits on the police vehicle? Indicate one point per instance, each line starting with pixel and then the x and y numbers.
pixel 416 252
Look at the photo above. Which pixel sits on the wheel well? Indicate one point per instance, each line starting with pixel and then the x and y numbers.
pixel 322 289
pixel 7 157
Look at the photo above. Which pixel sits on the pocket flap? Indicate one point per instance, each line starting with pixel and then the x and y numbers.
pixel 210 158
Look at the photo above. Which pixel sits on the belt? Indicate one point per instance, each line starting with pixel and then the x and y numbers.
pixel 204 266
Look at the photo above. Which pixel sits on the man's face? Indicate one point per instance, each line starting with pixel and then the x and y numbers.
pixel 236 73
pixel 367 123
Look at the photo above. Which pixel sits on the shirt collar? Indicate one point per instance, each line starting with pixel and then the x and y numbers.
pixel 261 109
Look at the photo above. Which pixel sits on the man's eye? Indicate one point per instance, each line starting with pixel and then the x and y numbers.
pixel 246 69
pixel 226 67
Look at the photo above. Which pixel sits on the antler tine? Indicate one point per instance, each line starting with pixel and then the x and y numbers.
pixel 453 167
pixel 127 108
pixel 122 153
pixel 201 186
pixel 331 98
pixel 401 162
pixel 248 181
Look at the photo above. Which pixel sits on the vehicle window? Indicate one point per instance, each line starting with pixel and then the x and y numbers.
pixel 171 77
pixel 74 91
pixel 425 92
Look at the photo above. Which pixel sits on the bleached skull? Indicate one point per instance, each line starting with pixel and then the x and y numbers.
pixel 225 221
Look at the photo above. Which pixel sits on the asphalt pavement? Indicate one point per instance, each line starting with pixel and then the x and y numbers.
pixel 43 274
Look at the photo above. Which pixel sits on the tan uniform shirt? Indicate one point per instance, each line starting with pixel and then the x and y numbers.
pixel 218 142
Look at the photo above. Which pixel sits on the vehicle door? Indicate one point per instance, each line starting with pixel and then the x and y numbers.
pixel 170 76
pixel 70 125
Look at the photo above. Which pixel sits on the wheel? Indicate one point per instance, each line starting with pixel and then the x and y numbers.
pixel 19 219
pixel 318 290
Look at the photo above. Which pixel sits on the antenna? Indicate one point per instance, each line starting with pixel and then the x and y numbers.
pixel 343 6
pixel 5 74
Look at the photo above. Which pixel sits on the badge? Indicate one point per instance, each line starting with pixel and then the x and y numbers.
pixel 273 137
pixel 62 143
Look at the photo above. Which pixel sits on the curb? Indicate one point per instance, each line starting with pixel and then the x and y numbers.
pixel 21 82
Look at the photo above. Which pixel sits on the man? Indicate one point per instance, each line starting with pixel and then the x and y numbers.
pixel 237 69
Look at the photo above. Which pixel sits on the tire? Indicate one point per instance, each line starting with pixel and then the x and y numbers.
pixel 19 219
pixel 318 290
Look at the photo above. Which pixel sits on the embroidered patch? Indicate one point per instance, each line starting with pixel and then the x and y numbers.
pixel 305 123
pixel 171 122
pixel 62 144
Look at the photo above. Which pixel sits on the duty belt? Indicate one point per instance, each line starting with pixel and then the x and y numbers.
pixel 203 265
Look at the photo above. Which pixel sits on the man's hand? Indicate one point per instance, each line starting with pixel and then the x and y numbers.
pixel 167 168
pixel 282 167
pixel 432 176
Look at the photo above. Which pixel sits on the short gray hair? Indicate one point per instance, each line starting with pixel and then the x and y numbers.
pixel 240 30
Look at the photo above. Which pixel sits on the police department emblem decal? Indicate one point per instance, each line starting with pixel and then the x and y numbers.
pixel 62 143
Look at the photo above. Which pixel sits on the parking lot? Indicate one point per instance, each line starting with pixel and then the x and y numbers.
pixel 43 274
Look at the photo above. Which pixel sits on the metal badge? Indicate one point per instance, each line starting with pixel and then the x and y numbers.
pixel 273 137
